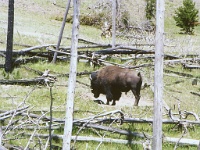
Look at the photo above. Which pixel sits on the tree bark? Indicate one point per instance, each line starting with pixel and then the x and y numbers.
pixel 9 48
pixel 61 31
pixel 158 76
pixel 72 79
pixel 114 22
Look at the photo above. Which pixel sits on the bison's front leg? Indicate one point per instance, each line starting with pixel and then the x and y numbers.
pixel 109 95
pixel 116 96
pixel 109 98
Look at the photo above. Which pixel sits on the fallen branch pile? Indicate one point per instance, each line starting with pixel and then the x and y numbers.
pixel 23 119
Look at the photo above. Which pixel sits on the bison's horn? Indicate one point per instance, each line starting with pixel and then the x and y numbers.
pixel 90 77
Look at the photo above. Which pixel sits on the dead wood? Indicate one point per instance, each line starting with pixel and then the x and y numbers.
pixel 33 70
pixel 194 93
pixel 199 146
pixel 111 129
pixel 85 47
pixel 1 136
pixel 84 138
pixel 23 51
pixel 110 114
pixel 20 61
pixel 25 82
pixel 78 74
pixel 149 120
pixel 139 66
pixel 84 41
pixel 12 147
pixel 8 114
pixel 124 50
pixel 179 73
pixel 99 120
pixel 43 117
pixel 182 141
pixel 175 61
pixel 29 127
pixel 30 140
pixel 186 66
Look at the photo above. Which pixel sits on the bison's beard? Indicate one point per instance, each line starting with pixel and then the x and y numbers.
pixel 96 94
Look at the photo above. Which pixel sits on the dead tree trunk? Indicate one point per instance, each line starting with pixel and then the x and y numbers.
pixel 61 31
pixel 113 22
pixel 9 47
pixel 72 78
pixel 158 76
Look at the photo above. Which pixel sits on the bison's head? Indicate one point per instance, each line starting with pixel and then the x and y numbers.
pixel 95 86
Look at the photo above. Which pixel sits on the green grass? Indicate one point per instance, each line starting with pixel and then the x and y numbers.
pixel 38 27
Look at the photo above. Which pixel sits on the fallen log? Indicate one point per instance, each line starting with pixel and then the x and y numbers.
pixel 180 73
pixel 175 61
pixel 13 111
pixel 186 66
pixel 34 48
pixel 84 138
pixel 124 50
pixel 194 93
pixel 20 61
pixel 125 120
pixel 25 82
pixel 182 141
pixel 141 120
pixel 111 129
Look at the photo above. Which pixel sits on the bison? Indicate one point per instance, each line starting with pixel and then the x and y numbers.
pixel 113 80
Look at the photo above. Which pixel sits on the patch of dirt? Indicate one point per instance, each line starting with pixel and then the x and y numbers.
pixel 125 100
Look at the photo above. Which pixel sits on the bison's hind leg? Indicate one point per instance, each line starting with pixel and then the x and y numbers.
pixel 137 97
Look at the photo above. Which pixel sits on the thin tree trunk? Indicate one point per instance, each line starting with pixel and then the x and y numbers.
pixel 158 76
pixel 61 31
pixel 50 122
pixel 113 22
pixel 72 79
pixel 9 48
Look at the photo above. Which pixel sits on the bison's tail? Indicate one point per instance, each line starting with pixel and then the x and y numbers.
pixel 139 84
pixel 139 75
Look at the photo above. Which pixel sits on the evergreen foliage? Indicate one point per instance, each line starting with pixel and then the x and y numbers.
pixel 186 16
pixel 150 9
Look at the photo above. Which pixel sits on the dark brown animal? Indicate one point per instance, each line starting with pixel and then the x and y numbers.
pixel 113 80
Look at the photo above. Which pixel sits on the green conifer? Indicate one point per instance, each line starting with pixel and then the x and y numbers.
pixel 150 9
pixel 186 16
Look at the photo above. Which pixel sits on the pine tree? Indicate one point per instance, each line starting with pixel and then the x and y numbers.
pixel 150 9
pixel 186 16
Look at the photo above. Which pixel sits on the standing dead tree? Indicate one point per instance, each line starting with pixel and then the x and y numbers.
pixel 158 76
pixel 72 78
pixel 61 30
pixel 9 48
